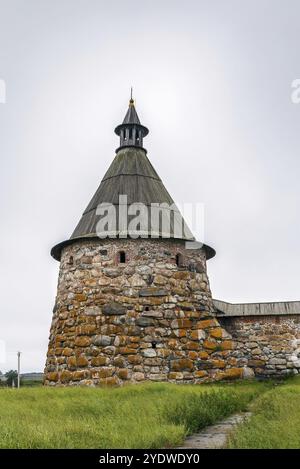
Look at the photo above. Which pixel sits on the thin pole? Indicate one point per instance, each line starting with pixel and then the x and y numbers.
pixel 19 359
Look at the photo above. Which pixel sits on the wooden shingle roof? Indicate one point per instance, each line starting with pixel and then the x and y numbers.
pixel 132 175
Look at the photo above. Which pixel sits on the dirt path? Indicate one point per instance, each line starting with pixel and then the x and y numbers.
pixel 215 436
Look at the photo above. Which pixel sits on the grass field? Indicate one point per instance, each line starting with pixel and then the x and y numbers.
pixel 141 416
pixel 275 422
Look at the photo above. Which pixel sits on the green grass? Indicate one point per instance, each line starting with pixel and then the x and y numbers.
pixel 142 416
pixel 275 422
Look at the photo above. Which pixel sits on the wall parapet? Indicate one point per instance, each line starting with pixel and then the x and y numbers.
pixel 280 308
pixel 266 335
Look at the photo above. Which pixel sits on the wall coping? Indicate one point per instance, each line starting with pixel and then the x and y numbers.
pixel 278 308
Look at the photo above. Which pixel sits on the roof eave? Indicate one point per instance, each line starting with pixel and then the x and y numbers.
pixel 141 127
pixel 56 251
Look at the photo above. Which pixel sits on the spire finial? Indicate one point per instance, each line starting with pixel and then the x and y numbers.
pixel 131 131
pixel 131 101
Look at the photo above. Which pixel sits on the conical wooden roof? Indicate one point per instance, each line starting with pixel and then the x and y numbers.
pixel 130 174
pixel 131 116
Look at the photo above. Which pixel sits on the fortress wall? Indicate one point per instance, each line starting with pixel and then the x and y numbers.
pixel 267 344
pixel 150 319
pixel 145 319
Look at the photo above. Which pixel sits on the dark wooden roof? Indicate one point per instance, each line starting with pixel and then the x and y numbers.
pixel 131 116
pixel 276 308
pixel 131 120
pixel 130 173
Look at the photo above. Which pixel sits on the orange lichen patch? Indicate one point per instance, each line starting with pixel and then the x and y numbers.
pixel 217 333
pixel 207 323
pixel 230 373
pixel 226 345
pixel 82 341
pixel 123 373
pixel 82 361
pixel 200 374
pixel 182 364
pixel 209 344
pixel 98 361
pixel 52 376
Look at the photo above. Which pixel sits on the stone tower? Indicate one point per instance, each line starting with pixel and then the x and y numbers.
pixel 134 303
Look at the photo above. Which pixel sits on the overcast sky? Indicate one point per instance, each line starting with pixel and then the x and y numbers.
pixel 212 81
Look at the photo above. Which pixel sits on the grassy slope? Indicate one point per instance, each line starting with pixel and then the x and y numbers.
pixel 142 416
pixel 275 422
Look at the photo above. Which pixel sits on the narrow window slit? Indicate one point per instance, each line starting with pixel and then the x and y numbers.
pixel 179 260
pixel 122 257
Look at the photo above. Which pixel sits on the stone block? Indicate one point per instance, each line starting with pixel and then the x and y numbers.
pixel 65 376
pixel 114 309
pixel 123 373
pixel 216 333
pixel 153 314
pixel 82 341
pixel 200 373
pixel 248 373
pixel 127 351
pixel 80 297
pixel 204 364
pixel 72 363
pixel 105 372
pixel 198 334
pixel 138 376
pixel 99 361
pixel 52 376
pixel 277 361
pixel 102 340
pixel 109 382
pixel 149 352
pixel 67 352
pixel 79 375
pixel 230 374
pixel 256 363
pixel 206 323
pixel 159 280
pixel 145 321
pixel 175 375
pixel 111 272
pixel 134 359
pixel 82 361
pixel 86 329
pixel 182 364
pixel 152 291
pixel 210 344
pixel 186 306
pixel 181 323
pixel 226 345
pixel 192 345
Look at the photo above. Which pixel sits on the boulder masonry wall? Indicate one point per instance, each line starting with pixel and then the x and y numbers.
pixel 148 318
pixel 266 336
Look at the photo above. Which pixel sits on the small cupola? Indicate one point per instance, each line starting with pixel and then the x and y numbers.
pixel 131 132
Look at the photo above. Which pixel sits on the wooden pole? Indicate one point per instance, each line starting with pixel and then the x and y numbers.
pixel 19 360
